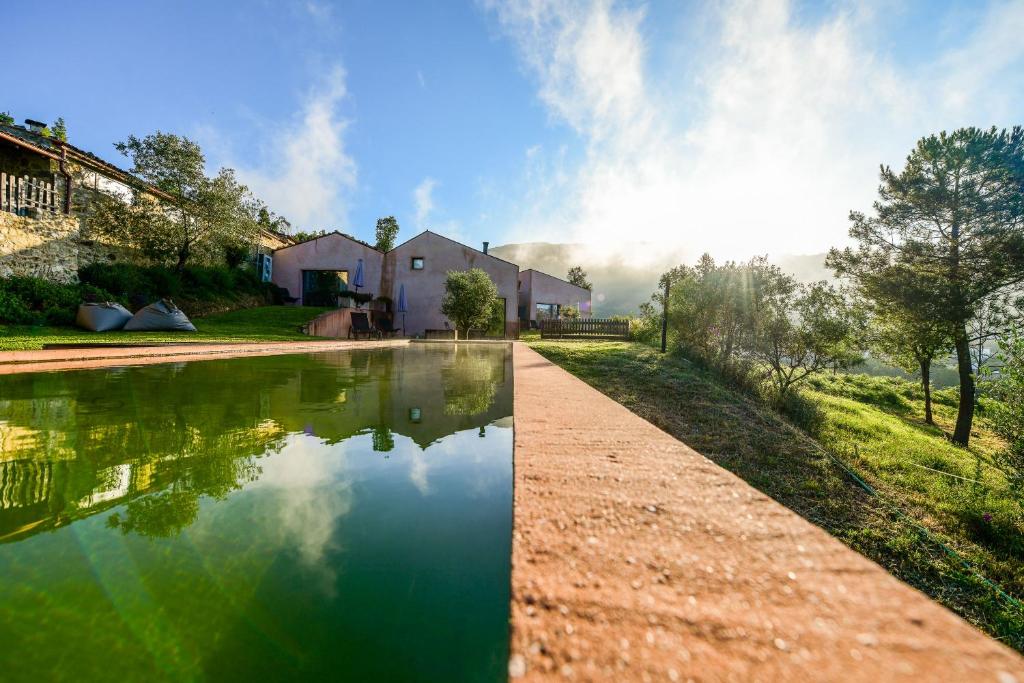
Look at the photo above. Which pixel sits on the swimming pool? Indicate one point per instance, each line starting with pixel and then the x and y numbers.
pixel 340 515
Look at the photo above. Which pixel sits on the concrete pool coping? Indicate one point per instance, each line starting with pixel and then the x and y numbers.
pixel 636 558
pixel 85 357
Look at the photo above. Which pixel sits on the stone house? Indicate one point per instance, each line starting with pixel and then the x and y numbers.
pixel 46 186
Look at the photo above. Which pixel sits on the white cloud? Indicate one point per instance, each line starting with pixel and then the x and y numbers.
pixel 319 11
pixel 767 149
pixel 305 172
pixel 423 197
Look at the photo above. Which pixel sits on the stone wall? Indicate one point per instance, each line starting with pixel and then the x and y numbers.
pixel 51 247
pixel 46 247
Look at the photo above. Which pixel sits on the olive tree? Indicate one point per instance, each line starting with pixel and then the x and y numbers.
pixel 181 212
pixel 802 331
pixel 469 298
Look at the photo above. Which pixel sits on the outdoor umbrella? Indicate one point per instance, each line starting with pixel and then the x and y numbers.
pixel 401 305
pixel 357 281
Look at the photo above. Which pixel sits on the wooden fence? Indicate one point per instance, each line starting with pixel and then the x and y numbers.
pixel 584 328
pixel 24 195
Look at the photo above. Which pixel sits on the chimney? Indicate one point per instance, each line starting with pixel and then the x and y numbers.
pixel 35 126
pixel 486 244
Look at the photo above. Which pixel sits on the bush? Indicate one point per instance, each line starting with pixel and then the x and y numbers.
pixel 34 301
pixel 197 283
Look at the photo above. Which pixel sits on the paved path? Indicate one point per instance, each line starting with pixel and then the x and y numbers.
pixel 83 358
pixel 635 558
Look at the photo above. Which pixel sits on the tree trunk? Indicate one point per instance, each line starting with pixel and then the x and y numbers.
pixel 182 259
pixel 926 384
pixel 965 410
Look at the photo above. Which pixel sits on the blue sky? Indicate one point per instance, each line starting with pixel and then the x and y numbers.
pixel 735 126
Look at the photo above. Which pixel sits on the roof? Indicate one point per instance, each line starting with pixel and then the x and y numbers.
pixel 57 149
pixel 553 277
pixel 331 234
pixel 411 239
pixel 466 246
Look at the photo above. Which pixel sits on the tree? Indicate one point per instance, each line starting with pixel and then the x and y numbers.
pixel 183 212
pixel 1006 412
pixel 911 344
pixel 387 233
pixel 270 221
pixel 306 235
pixel 714 309
pixel 578 277
pixel 468 299
pixel 954 218
pixel 6 119
pixel 60 129
pixel 802 331
pixel 570 312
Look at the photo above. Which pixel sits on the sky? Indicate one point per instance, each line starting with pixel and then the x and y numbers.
pixel 639 129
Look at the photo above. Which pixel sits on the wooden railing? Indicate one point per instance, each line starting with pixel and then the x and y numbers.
pixel 584 328
pixel 24 195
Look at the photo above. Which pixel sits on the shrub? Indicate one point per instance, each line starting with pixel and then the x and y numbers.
pixel 34 301
pixel 236 254
pixel 199 283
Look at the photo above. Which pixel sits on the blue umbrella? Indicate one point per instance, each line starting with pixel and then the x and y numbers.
pixel 357 281
pixel 401 305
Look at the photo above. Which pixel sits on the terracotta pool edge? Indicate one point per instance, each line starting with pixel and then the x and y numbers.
pixel 12 362
pixel 636 558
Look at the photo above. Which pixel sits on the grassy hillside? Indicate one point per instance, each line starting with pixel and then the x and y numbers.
pixel 872 424
pixel 265 323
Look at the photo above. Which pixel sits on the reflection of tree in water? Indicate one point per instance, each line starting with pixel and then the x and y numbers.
pixel 159 515
pixel 168 512
pixel 470 380
pixel 383 439
pixel 155 439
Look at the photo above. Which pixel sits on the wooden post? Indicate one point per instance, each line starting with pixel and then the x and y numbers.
pixel 664 318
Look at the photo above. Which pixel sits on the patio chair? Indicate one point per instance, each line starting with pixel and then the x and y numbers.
pixel 361 325
pixel 385 327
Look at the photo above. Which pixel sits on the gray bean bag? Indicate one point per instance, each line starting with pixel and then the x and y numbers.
pixel 102 317
pixel 159 316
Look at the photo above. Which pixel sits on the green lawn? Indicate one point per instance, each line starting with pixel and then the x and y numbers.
pixel 874 425
pixel 265 323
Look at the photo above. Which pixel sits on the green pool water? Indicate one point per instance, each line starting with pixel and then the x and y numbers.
pixel 332 516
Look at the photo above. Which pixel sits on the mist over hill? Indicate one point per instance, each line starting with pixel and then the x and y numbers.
pixel 624 280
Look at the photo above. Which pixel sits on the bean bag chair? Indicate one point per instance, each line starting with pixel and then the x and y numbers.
pixel 102 317
pixel 160 316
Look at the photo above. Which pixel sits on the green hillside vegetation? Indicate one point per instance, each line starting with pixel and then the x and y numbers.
pixel 874 426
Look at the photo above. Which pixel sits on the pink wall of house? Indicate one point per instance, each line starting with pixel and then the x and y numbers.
pixel 425 288
pixel 330 252
pixel 536 287
pixel 385 273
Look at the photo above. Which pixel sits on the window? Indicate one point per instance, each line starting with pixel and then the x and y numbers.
pixel 547 311
pixel 322 287
pixel 417 263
